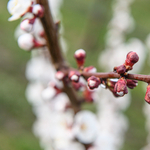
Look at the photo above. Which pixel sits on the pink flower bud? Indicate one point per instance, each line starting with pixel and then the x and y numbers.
pixel 60 75
pixel 147 95
pixel 80 57
pixel 88 95
pixel 74 76
pixel 131 83
pixel 28 42
pixel 90 69
pixel 27 24
pixel 121 69
pixel 131 59
pixel 38 10
pixel 93 82
pixel 121 87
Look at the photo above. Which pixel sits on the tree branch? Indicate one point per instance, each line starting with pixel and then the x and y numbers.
pixel 55 51
pixel 139 77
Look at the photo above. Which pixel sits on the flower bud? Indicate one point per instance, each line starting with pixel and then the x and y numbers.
pixel 90 69
pixel 38 10
pixel 131 59
pixel 74 76
pixel 131 83
pixel 121 87
pixel 28 42
pixel 27 24
pixel 60 75
pixel 80 57
pixel 93 82
pixel 88 95
pixel 121 69
pixel 147 95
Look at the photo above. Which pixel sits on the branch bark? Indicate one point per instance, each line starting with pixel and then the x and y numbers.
pixel 139 77
pixel 55 51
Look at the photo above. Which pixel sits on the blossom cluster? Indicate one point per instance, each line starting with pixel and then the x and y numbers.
pixel 58 125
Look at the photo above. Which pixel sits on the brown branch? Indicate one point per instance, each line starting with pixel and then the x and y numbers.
pixel 139 77
pixel 55 51
pixel 51 35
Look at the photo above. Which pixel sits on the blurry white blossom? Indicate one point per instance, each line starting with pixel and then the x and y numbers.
pixel 85 127
pixel 17 8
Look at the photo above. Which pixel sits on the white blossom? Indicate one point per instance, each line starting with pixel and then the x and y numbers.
pixel 48 93
pixel 17 8
pixel 85 127
pixel 33 93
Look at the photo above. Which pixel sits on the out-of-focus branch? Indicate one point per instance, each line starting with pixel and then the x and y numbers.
pixel 55 51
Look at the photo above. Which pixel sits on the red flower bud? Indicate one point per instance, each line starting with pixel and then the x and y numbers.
pixel 121 87
pixel 131 59
pixel 90 69
pixel 121 69
pixel 60 75
pixel 131 83
pixel 93 82
pixel 147 95
pixel 80 57
pixel 74 76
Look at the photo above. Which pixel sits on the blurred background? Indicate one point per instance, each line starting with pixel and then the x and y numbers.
pixel 85 24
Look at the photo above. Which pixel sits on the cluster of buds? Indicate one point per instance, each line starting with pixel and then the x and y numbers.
pixel 120 87
pixel 19 9
pixel 131 59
